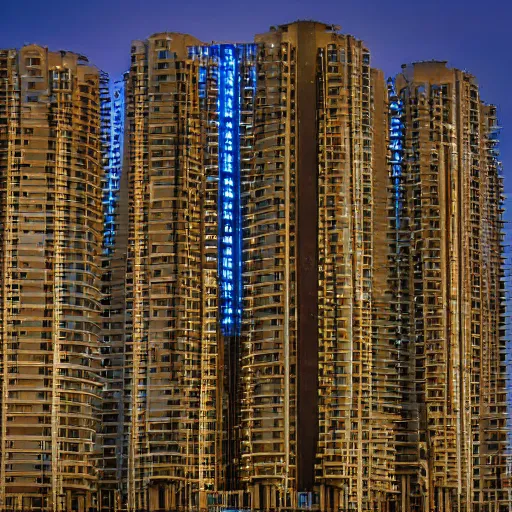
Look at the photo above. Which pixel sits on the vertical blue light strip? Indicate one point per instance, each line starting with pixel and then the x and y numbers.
pixel 396 151
pixel 230 236
pixel 224 65
pixel 396 146
pixel 106 143
pixel 113 177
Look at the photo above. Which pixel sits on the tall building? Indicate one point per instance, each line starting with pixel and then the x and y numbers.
pixel 313 416
pixel 250 276
pixel 447 235
pixel 51 239
pixel 162 293
pixel 189 117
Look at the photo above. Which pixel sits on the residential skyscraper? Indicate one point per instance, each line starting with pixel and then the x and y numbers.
pixel 448 281
pixel 250 276
pixel 189 116
pixel 51 239
pixel 162 378
pixel 309 421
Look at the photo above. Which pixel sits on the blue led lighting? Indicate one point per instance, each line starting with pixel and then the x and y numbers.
pixel 229 234
pixel 114 168
pixel 396 162
pixel 396 146
pixel 225 63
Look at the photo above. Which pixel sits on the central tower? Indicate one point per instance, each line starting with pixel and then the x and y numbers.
pixel 309 389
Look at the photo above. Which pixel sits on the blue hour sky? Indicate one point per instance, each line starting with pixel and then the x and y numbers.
pixel 470 34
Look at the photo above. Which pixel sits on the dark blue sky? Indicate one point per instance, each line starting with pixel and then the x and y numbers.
pixel 472 35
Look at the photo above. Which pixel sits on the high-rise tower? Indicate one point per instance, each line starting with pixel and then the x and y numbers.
pixel 163 322
pixel 449 290
pixel 51 239
pixel 314 417
pixel 189 119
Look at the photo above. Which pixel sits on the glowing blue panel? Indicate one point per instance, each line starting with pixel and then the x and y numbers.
pixel 396 160
pixel 113 166
pixel 230 240
pixel 231 68
pixel 396 144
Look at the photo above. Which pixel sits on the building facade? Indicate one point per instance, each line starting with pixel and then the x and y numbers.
pixel 163 323
pixel 250 276
pixel 51 239
pixel 448 280
pixel 189 117
pixel 309 384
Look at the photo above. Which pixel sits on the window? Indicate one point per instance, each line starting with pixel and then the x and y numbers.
pixel 33 61
pixel 332 53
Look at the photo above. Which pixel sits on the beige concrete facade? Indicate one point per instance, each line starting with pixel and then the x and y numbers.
pixel 452 344
pixel 366 372
pixel 307 366
pixel 50 279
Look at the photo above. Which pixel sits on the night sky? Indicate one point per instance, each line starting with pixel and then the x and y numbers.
pixel 469 34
